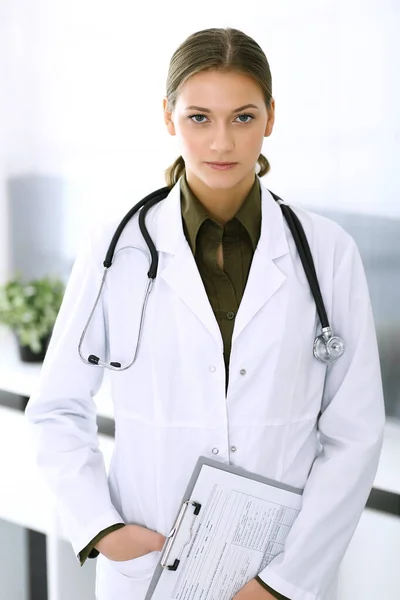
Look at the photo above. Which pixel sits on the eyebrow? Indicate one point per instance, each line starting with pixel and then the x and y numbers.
pixel 207 110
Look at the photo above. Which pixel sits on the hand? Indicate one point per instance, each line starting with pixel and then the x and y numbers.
pixel 131 541
pixel 253 591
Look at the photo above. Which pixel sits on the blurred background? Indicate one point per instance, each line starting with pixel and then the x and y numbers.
pixel 81 137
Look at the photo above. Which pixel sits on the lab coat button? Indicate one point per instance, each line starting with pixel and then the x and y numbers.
pixel 233 448
pixel 243 371
pixel 215 450
pixel 213 369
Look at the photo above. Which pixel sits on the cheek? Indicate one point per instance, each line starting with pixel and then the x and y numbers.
pixel 190 142
pixel 253 142
pixel 255 134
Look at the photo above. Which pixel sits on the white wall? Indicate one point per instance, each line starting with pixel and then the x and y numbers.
pixel 86 80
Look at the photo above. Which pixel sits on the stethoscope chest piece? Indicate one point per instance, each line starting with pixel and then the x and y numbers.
pixel 328 348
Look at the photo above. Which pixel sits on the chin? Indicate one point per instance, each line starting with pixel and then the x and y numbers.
pixel 221 179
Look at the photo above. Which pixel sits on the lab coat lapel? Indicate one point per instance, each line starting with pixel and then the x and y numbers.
pixel 265 278
pixel 180 270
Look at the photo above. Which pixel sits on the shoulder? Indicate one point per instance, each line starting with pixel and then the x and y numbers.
pixel 130 232
pixel 329 242
pixel 100 233
pixel 338 263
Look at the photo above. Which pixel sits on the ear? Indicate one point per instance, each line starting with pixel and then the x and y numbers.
pixel 168 118
pixel 271 119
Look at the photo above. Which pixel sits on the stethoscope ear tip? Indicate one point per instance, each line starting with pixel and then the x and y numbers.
pixel 94 360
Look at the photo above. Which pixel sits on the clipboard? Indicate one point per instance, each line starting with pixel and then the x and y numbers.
pixel 191 509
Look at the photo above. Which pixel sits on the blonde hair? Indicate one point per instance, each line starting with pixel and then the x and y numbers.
pixel 216 49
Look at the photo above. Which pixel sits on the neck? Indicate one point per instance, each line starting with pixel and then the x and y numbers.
pixel 221 203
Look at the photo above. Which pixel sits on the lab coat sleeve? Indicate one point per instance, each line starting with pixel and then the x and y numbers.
pixel 351 426
pixel 62 414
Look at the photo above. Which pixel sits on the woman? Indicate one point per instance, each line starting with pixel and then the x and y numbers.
pixel 225 367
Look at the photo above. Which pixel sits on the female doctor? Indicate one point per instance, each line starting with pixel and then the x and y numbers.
pixel 225 365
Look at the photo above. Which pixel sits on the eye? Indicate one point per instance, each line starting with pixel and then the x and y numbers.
pixel 246 116
pixel 199 118
pixel 195 117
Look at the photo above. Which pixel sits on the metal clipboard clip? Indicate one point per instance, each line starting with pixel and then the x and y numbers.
pixel 177 533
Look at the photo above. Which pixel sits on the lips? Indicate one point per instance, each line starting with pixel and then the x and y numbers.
pixel 221 164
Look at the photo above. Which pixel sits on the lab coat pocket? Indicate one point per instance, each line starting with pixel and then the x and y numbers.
pixel 137 568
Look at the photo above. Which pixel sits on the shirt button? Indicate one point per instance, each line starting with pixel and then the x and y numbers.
pixel 213 369
pixel 215 450
pixel 230 315
pixel 243 371
pixel 233 448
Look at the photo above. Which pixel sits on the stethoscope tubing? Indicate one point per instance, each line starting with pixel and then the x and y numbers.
pixel 321 350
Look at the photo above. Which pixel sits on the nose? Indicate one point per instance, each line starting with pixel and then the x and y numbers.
pixel 222 140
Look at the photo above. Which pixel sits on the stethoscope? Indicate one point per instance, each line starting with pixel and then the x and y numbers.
pixel 327 349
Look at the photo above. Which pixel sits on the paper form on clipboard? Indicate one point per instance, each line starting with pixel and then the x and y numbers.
pixel 230 526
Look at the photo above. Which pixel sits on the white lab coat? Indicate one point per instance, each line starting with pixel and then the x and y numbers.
pixel 289 417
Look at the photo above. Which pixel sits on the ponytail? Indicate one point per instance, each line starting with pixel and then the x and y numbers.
pixel 264 165
pixel 174 172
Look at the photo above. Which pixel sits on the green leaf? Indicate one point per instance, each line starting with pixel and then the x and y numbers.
pixel 30 308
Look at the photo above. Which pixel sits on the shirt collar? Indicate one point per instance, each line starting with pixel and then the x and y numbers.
pixel 194 214
pixel 249 214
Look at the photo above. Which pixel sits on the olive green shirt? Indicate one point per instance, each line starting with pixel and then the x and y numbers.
pixel 224 287
pixel 239 238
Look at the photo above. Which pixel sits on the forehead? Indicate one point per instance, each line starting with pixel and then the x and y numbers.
pixel 220 89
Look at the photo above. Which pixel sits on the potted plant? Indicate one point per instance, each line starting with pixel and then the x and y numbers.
pixel 30 310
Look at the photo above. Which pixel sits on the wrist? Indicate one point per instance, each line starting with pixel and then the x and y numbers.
pixel 156 542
